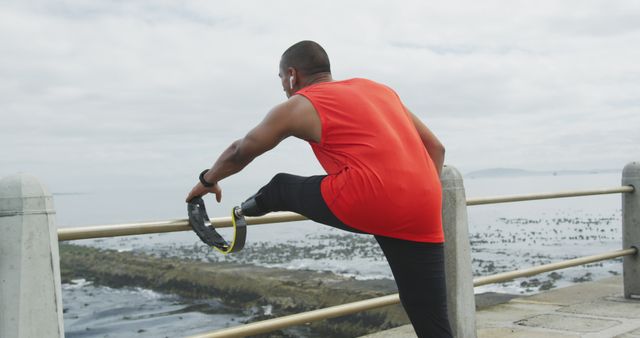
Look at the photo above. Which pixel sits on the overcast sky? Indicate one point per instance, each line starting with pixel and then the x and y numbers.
pixel 148 93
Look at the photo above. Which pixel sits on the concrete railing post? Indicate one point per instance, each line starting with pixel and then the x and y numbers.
pixel 30 293
pixel 461 301
pixel 631 230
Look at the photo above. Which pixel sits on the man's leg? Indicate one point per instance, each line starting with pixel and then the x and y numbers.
pixel 418 269
pixel 302 195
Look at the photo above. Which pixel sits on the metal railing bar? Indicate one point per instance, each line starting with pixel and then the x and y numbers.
pixel 501 277
pixel 130 229
pixel 368 304
pixel 302 318
pixel 562 194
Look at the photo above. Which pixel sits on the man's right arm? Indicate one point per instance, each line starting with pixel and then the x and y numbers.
pixel 295 117
pixel 431 143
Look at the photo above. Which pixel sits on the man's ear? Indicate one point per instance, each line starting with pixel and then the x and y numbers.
pixel 293 73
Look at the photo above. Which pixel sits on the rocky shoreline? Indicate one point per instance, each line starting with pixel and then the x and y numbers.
pixel 242 287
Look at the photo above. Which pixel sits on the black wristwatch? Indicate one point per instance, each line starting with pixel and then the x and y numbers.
pixel 203 181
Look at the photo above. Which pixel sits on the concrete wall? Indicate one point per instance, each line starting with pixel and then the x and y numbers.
pixel 30 293
pixel 631 230
pixel 461 302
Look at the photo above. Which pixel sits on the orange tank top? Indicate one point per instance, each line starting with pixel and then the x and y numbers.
pixel 380 178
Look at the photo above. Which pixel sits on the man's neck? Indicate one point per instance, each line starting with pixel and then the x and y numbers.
pixel 317 78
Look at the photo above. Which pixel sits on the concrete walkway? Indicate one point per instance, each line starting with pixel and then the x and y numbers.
pixel 594 309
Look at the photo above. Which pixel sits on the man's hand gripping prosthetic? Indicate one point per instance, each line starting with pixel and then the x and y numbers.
pixel 201 225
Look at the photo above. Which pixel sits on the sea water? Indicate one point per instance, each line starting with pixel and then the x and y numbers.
pixel 503 237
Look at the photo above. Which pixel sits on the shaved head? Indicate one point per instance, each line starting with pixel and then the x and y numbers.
pixel 307 57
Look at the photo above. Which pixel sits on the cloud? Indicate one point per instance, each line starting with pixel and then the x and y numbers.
pixel 137 92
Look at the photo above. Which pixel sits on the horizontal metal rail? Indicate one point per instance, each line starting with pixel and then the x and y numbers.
pixel 505 276
pixel 542 196
pixel 302 318
pixel 130 229
pixel 369 304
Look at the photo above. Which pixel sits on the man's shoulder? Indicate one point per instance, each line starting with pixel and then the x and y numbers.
pixel 370 83
pixel 353 80
pixel 362 80
pixel 295 105
pixel 299 116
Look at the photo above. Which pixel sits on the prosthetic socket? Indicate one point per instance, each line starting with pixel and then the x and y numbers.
pixel 250 207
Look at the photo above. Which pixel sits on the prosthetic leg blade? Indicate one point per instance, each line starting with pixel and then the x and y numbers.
pixel 239 230
pixel 199 222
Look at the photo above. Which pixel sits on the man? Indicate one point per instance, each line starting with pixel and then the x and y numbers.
pixel 382 165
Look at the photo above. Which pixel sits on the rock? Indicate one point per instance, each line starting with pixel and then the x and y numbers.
pixel 240 286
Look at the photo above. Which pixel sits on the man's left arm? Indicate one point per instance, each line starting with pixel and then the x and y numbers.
pixel 430 141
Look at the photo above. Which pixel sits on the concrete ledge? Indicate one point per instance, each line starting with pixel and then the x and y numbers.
pixel 482 301
pixel 594 309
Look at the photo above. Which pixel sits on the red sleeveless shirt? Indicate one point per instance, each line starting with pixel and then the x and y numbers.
pixel 380 178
